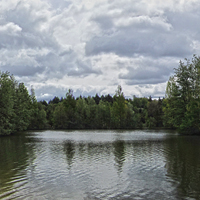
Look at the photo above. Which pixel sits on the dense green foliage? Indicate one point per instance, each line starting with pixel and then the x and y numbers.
pixel 182 103
pixel 105 112
pixel 180 109
pixel 18 109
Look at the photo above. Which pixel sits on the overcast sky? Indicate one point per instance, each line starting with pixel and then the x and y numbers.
pixel 91 46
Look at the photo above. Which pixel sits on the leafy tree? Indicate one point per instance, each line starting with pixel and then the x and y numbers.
pixel 38 117
pixel 91 109
pixel 103 115
pixel 15 105
pixel 191 121
pixel 64 116
pixel 22 108
pixel 81 107
pixel 154 114
pixel 60 117
pixel 174 106
pixel 69 108
pixel 50 114
pixel 118 111
pixel 181 107
pixel 140 110
pixel 130 121
pixel 7 91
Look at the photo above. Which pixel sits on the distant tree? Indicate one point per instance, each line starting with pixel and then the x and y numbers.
pixel 154 114
pixel 150 99
pixel 38 117
pixel 140 110
pixel 44 103
pixel 60 117
pixel 81 108
pixel 55 100
pixel 118 111
pixel 103 117
pixel 97 99
pixel 130 121
pixel 50 114
pixel 108 98
pixel 91 110
pixel 69 107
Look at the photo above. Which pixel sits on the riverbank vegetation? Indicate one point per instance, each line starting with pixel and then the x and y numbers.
pixel 180 109
pixel 182 104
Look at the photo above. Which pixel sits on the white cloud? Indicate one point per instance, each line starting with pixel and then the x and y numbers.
pixel 92 46
pixel 10 29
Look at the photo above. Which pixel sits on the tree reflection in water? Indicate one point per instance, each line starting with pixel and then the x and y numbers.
pixel 16 152
pixel 69 149
pixel 183 165
pixel 119 152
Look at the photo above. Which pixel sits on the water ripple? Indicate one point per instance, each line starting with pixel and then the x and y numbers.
pixel 99 165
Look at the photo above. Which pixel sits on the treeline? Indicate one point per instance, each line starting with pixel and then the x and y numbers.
pixel 180 109
pixel 20 110
pixel 105 112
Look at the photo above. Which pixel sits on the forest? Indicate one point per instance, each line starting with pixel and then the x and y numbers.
pixel 180 109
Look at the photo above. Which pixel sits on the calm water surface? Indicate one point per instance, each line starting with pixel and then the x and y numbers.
pixel 99 165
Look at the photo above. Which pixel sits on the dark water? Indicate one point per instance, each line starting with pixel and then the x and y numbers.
pixel 99 165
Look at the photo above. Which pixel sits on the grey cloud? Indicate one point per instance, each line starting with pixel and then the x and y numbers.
pixel 66 52
pixel 144 31
pixel 130 41
pixel 28 27
pixel 65 63
pixel 42 40
pixel 184 21
pixel 104 21
pixel 22 70
pixel 20 63
pixel 82 69
pixel 148 71
pixel 59 4
pixel 31 20
pixel 26 15
pixel 26 40
pixel 148 81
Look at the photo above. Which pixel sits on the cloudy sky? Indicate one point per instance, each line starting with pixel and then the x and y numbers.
pixel 91 46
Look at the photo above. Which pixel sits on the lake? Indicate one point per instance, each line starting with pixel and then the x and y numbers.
pixel 139 164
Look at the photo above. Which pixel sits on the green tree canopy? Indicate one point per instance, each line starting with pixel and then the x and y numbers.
pixel 15 105
pixel 182 104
